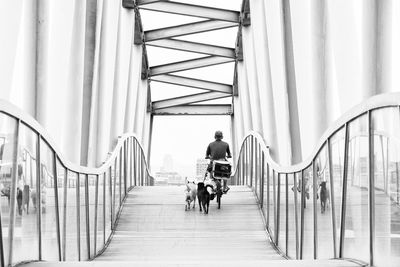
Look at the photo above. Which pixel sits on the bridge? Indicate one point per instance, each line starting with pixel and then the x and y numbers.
pixel 77 110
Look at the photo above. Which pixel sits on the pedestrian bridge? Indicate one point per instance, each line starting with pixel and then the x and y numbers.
pixel 76 83
pixel 113 213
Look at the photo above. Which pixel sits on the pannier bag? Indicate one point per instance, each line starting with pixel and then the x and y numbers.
pixel 222 169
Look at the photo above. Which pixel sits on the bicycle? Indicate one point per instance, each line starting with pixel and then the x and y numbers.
pixel 220 170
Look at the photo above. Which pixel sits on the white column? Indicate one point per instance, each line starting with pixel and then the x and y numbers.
pixel 244 98
pixel 261 61
pixel 369 16
pixel 252 80
pixel 318 70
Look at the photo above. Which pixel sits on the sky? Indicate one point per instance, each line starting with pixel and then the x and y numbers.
pixel 186 138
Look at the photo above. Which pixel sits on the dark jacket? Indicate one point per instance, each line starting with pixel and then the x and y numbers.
pixel 218 150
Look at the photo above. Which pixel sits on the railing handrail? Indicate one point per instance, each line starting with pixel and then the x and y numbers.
pixel 375 102
pixel 13 111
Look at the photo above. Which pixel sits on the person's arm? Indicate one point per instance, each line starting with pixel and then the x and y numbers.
pixel 228 152
pixel 208 152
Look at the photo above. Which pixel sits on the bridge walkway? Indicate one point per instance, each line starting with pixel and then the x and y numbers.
pixel 155 230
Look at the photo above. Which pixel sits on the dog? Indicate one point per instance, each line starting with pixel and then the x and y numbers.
pixel 191 194
pixel 324 194
pixel 203 196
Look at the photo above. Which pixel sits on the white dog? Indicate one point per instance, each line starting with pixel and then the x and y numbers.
pixel 191 194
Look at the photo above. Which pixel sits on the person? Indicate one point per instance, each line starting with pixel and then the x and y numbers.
pixel 218 150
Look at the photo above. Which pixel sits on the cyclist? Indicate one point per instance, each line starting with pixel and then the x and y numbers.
pixel 218 150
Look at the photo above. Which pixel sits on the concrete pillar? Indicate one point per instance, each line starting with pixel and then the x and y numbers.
pixel 42 43
pixel 249 60
pixel 295 152
pixel 244 98
pixel 319 75
pixel 261 61
pixel 369 17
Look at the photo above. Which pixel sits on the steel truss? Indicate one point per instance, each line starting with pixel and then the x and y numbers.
pixel 215 19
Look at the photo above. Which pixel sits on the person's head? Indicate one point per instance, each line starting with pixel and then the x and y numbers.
pixel 218 135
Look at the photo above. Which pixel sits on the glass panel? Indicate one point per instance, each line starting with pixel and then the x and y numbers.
pixel 356 228
pixel 271 204
pixel 122 164
pixel 337 150
pixel 323 205
pixel 48 204
pixel 7 139
pixel 60 192
pixel 108 199
pixel 308 243
pixel 26 236
pixel 386 129
pixel 100 214
pixel 71 241
pixel 282 211
pixel 292 190
pixel 92 207
pixel 82 214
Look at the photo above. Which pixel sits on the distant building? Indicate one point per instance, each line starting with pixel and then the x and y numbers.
pixel 168 178
pixel 168 163
pixel 201 167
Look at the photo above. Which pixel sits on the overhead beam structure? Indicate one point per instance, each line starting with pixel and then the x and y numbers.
pixel 189 99
pixel 194 83
pixel 215 19
pixel 219 109
pixel 194 10
pixel 194 47
pixel 188 65
pixel 185 29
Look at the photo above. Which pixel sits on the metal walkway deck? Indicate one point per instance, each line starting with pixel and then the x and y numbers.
pixel 155 230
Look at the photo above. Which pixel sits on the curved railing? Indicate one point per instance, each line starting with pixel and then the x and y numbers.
pixel 52 209
pixel 354 171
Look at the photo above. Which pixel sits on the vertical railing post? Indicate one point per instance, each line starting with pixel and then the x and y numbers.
pixel 268 189
pixel 120 177
pixel 111 197
pixel 255 158
pixel 371 178
pixel 315 188
pixel 13 193
pixel 87 214
pixel 262 180
pixel 251 151
pixel 287 213
pixel 64 227
pixel 125 166
pixel 57 210
pixel 344 192
pixel 296 215
pixel 303 187
pixel 38 195
pixel 78 214
pixel 278 209
pixel 134 163
pixel 332 198
pixel 96 205
pixel 104 207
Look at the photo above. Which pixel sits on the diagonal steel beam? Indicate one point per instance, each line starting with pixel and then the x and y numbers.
pixel 194 10
pixel 188 64
pixel 146 2
pixel 185 29
pixel 220 109
pixel 189 99
pixel 194 47
pixel 194 83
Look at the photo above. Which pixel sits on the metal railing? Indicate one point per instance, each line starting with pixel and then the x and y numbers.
pixel 51 209
pixel 343 201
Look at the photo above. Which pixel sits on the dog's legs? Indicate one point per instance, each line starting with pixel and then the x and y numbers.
pixel 194 202
pixel 200 204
